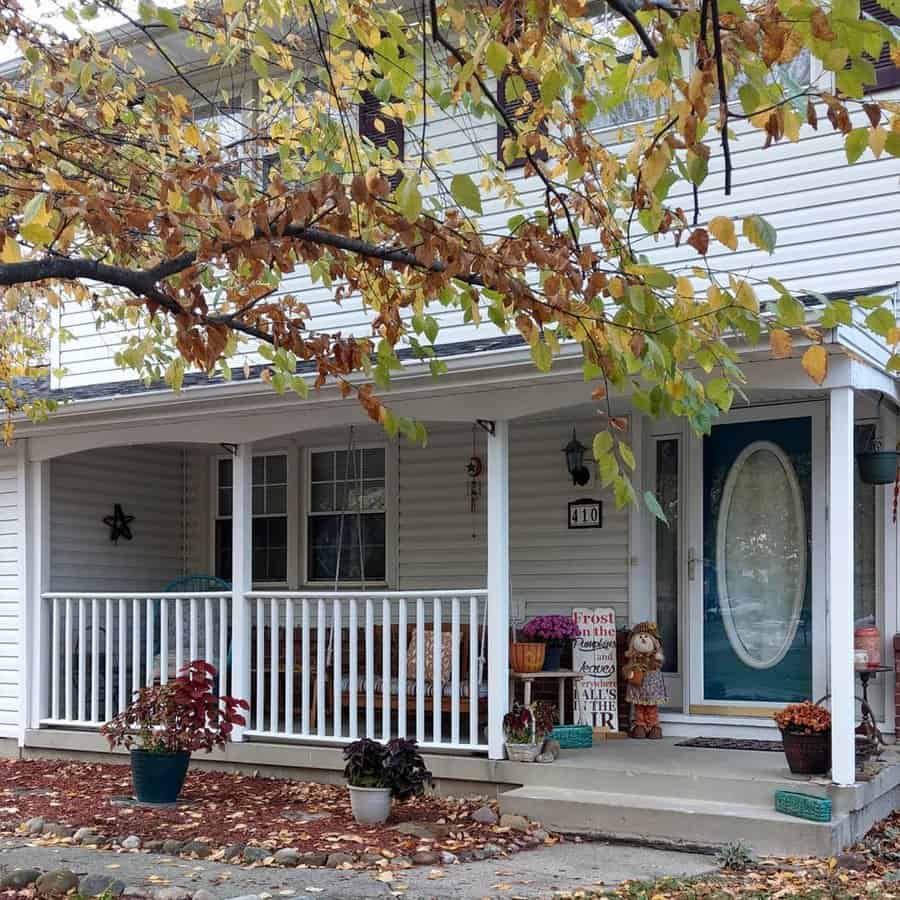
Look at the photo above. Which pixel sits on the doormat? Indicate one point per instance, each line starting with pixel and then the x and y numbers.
pixel 711 743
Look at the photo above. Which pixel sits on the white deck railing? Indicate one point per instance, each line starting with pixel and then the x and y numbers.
pixel 105 646
pixel 335 666
pixel 322 667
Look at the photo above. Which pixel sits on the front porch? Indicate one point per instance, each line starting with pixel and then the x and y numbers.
pixel 327 651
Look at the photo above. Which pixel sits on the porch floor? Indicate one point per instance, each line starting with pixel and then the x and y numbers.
pixel 656 791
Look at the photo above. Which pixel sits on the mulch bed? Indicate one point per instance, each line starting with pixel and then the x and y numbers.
pixel 223 809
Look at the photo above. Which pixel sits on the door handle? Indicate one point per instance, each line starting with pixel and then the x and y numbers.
pixel 691 564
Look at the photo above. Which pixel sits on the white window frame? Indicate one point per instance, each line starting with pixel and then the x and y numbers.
pixel 292 511
pixel 391 509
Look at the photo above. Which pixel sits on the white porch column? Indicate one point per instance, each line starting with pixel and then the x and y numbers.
pixel 34 478
pixel 840 585
pixel 498 584
pixel 241 572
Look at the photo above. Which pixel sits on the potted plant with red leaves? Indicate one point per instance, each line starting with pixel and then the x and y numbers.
pixel 164 724
pixel 378 773
pixel 806 735
pixel 555 632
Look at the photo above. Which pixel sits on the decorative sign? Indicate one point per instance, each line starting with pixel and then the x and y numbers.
pixel 594 656
pixel 586 514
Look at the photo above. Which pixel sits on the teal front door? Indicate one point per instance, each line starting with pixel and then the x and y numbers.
pixel 757 610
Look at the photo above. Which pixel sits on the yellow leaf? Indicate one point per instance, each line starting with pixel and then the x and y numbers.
pixel 56 181
pixel 744 295
pixel 684 288
pixel 815 363
pixel 192 135
pixel 243 228
pixel 877 140
pixel 781 343
pixel 10 252
pixel 616 288
pixel 722 228
pixel 654 166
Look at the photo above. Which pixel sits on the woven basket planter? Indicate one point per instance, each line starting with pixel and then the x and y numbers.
pixel 807 754
pixel 526 657
pixel 523 752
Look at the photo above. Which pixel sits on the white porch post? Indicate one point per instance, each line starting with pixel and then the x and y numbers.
pixel 840 584
pixel 36 632
pixel 241 572
pixel 498 584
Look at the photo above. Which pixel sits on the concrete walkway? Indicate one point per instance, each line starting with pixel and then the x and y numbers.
pixel 532 874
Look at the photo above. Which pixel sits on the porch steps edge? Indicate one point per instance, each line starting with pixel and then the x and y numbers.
pixel 676 821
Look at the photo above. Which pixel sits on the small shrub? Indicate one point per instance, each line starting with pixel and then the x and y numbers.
pixel 183 715
pixel 398 766
pixel 737 857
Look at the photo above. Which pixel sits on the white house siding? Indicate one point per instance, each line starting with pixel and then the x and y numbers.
pixel 11 586
pixel 149 483
pixel 837 224
pixel 552 567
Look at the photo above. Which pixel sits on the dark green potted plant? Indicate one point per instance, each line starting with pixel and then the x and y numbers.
pixel 378 773
pixel 165 723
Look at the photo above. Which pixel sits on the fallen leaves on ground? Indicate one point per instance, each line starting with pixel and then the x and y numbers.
pixel 871 869
pixel 223 808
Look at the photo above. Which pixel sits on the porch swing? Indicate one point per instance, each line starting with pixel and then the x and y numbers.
pixel 400 643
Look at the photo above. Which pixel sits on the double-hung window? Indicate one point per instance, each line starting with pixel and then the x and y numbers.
pixel 270 518
pixel 346 522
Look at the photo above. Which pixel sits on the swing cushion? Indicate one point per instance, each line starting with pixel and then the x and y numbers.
pixel 447 688
pixel 428 649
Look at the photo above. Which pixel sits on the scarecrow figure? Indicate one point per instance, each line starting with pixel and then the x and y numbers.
pixel 646 688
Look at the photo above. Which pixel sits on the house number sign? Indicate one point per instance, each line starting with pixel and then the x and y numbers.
pixel 585 514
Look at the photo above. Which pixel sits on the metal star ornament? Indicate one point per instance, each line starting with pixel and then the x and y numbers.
pixel 119 524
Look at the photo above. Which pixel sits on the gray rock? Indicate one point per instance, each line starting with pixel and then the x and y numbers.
pixel 303 815
pixel 171 893
pixel 313 859
pixel 172 846
pixel 59 881
pixel 426 858
pixel 255 854
pixel 232 851
pixel 35 825
pixel 246 897
pixel 541 835
pixel 485 815
pixel 492 850
pixel 20 878
pixel 198 848
pixel 448 858
pixel 853 861
pixel 136 891
pixel 203 894
pixel 372 859
pixel 86 836
pixel 94 885
pixel 401 862
pixel 132 842
pixel 513 822
pixel 431 831
pixel 892 876
pixel 55 829
pixel 287 856
pixel 552 747
pixel 339 859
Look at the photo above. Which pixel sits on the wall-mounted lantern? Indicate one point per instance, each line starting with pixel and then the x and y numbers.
pixel 575 451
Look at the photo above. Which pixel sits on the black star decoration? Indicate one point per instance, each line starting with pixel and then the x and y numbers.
pixel 119 524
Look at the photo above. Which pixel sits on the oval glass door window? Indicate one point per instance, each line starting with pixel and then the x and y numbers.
pixel 761 555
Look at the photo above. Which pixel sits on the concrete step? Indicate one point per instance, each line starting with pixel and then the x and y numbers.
pixel 675 821
pixel 692 783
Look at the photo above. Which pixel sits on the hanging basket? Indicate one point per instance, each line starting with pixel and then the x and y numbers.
pixel 878 466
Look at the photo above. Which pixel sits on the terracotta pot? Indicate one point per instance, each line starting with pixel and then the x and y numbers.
pixel 526 657
pixel 807 754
